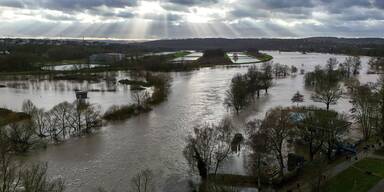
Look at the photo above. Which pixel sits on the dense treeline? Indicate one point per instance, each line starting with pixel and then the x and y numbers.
pixel 157 63
pixel 31 55
pixel 350 46
pixel 61 122
pixel 376 64
pixel 243 88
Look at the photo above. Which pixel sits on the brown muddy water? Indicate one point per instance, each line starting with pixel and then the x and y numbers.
pixel 156 140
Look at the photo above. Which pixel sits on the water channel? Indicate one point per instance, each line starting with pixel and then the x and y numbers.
pixel 156 140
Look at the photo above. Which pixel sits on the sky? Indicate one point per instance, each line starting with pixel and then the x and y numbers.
pixel 175 19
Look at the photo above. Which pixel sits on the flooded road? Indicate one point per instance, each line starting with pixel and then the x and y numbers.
pixel 156 140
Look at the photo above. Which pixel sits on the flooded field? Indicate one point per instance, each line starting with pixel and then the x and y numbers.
pixel 70 67
pixel 156 140
pixel 190 57
pixel 239 57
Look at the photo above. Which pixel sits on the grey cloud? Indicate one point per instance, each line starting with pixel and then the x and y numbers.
pixel 379 3
pixel 67 5
pixel 11 3
pixel 288 3
pixel 193 2
pixel 249 18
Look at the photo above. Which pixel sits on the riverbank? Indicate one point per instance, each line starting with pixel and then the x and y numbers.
pixel 154 63
pixel 144 102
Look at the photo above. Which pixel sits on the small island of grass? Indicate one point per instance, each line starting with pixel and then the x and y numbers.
pixel 263 57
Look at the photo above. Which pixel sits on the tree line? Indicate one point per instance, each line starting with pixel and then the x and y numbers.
pixel 319 131
pixel 142 98
pixel 61 122
pixel 244 88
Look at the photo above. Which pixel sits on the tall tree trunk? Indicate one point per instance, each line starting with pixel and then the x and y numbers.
pixel 311 151
pixel 281 162
pixel 201 166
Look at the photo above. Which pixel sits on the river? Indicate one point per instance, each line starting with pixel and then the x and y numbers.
pixel 156 140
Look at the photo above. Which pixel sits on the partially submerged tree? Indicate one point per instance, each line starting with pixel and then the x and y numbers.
pixel 254 83
pixel 259 145
pixel 277 128
pixel 21 135
pixel 365 110
pixel 351 65
pixel 297 98
pixel 266 78
pixel 17 178
pixel 35 179
pixel 143 181
pixel 140 97
pixel 376 63
pixel 327 94
pixel 332 63
pixel 60 115
pixel 237 97
pixel 208 147
pixel 326 84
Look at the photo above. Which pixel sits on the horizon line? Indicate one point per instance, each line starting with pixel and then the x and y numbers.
pixel 157 39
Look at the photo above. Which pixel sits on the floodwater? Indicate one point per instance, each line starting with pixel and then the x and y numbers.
pixel 70 67
pixel 156 140
pixel 241 57
pixel 193 56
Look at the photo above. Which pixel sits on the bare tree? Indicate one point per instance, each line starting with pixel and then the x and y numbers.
pixel 21 135
pixel 9 178
pixel 352 65
pixel 266 78
pixel 28 107
pixel 327 94
pixel 140 97
pixel 356 65
pixel 277 128
pixel 332 63
pixel 40 122
pixel 253 80
pixel 34 179
pixel 209 147
pixel 310 130
pixel 61 114
pixel 365 109
pixel 92 118
pixel 237 97
pixel 84 117
pixel 15 178
pixel 334 125
pixel 259 146
pixel 297 98
pixel 143 181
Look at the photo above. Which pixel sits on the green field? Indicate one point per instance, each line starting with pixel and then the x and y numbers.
pixel 356 178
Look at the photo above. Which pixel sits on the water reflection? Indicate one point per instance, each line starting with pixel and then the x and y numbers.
pixel 70 67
